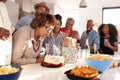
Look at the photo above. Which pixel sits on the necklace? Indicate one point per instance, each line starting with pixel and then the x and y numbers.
pixel 36 45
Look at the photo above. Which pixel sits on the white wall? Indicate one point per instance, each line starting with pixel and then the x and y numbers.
pixel 70 9
pixel 94 11
pixel 13 11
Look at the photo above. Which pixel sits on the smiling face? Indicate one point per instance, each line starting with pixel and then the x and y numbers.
pixel 57 26
pixel 105 29
pixel 89 25
pixel 69 24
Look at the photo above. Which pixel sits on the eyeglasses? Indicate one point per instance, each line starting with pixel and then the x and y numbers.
pixel 48 28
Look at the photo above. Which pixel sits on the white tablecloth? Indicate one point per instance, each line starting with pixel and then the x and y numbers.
pixel 38 72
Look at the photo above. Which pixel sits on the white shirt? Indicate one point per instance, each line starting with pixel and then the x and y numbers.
pixel 5 23
pixel 4 18
pixel 5 52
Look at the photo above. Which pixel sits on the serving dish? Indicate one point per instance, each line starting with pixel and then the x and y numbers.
pixel 73 77
pixel 11 76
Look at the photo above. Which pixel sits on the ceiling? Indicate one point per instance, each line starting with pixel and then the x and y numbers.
pixel 67 4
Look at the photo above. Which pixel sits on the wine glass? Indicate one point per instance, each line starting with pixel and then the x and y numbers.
pixel 47 48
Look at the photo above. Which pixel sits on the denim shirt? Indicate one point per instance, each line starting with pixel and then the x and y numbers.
pixel 24 21
pixel 93 38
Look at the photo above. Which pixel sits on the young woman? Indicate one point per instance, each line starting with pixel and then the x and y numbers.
pixel 108 39
pixel 27 41
pixel 55 38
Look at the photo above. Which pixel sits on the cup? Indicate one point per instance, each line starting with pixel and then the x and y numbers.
pixel 95 48
pixel 105 40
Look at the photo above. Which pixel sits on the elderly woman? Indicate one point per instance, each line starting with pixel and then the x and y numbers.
pixel 108 39
pixel 68 27
pixel 55 38
pixel 27 41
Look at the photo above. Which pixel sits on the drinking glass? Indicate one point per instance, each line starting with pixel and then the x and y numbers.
pixel 47 48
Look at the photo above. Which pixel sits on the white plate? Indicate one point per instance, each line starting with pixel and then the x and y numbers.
pixel 111 74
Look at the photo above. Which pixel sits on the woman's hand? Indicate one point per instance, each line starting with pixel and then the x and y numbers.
pixel 40 59
pixel 107 44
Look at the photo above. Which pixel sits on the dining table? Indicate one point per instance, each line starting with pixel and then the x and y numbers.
pixel 39 72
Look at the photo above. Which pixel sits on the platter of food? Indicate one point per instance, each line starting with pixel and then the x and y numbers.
pixel 82 73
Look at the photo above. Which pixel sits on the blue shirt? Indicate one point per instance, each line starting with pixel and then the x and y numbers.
pixel 55 43
pixel 93 38
pixel 24 21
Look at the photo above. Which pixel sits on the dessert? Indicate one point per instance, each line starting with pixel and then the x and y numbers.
pixel 53 61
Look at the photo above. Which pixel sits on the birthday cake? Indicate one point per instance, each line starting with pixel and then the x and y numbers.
pixel 53 61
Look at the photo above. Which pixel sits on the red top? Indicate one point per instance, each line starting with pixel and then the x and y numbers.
pixel 64 30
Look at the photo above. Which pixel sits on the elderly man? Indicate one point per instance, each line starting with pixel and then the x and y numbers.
pixel 90 38
pixel 39 8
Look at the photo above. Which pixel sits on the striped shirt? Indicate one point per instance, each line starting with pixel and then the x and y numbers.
pixel 55 43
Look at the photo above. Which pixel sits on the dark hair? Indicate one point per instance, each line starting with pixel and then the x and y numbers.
pixel 41 19
pixel 112 30
pixel 100 29
pixel 59 17
pixel 4 33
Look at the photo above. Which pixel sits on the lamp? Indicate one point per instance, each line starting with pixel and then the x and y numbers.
pixel 83 4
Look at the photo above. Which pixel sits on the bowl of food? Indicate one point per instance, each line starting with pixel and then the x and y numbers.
pixel 10 72
pixel 82 73
pixel 101 62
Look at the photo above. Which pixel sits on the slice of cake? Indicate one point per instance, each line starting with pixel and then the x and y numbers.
pixel 53 61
